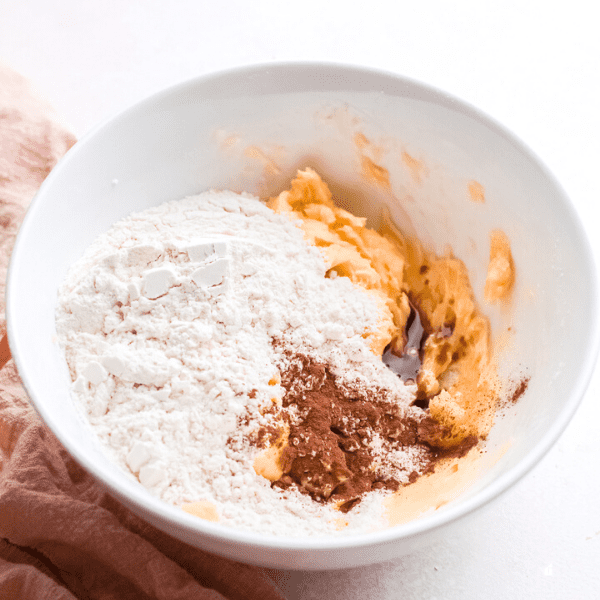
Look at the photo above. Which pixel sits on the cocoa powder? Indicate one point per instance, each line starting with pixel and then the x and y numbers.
pixel 519 390
pixel 331 454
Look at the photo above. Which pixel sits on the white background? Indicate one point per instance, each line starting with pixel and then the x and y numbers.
pixel 534 66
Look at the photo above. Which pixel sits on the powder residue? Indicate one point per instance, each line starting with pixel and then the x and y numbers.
pixel 519 389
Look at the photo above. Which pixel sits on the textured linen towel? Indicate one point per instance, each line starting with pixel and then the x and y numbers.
pixel 61 535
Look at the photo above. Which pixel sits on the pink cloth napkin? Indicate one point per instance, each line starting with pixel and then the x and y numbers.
pixel 61 535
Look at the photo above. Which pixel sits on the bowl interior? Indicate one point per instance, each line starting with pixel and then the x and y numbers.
pixel 249 130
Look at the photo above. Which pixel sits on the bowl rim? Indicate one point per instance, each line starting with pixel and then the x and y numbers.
pixel 415 527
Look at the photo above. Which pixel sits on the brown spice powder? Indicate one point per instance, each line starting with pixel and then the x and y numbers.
pixel 330 454
pixel 519 390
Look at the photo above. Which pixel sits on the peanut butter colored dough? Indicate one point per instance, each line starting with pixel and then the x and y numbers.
pixel 204 509
pixel 501 270
pixel 457 374
pixel 267 464
pixel 434 490
pixel 476 192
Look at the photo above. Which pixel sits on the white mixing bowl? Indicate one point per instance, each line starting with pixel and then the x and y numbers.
pixel 248 129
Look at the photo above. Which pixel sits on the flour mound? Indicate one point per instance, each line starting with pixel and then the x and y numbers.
pixel 167 323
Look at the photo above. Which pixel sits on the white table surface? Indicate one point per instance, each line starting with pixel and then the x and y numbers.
pixel 531 65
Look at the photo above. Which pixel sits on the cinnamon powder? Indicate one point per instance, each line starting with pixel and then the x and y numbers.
pixel 340 438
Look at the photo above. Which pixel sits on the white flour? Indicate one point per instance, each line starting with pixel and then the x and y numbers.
pixel 167 323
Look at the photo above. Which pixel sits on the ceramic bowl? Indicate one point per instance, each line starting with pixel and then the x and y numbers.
pixel 454 176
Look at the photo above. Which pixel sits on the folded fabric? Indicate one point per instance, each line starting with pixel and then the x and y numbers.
pixel 61 534
pixel 4 351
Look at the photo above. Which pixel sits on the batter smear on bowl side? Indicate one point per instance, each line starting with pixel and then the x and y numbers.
pixel 275 367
